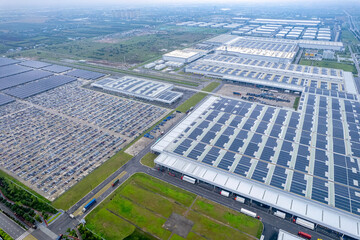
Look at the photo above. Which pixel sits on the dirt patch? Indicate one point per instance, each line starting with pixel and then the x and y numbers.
pixel 179 225
pixel 229 89
pixel 144 141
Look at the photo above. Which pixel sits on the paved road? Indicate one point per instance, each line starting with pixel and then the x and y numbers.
pixel 10 227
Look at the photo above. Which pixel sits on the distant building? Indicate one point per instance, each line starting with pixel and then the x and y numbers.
pixel 329 54
pixel 183 56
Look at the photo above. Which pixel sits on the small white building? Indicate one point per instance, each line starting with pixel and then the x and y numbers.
pixel 183 56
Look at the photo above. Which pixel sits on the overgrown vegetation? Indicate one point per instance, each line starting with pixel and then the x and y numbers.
pixel 20 196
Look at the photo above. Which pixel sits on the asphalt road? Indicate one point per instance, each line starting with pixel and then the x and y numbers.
pixel 10 227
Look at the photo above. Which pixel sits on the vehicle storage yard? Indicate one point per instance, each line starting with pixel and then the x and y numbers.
pixel 51 139
pixel 229 89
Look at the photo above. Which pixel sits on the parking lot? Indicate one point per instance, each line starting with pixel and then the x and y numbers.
pixel 229 89
pixel 121 116
pixel 52 140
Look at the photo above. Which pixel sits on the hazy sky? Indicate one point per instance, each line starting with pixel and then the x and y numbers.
pixel 85 3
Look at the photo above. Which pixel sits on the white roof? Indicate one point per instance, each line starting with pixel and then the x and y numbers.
pixel 182 53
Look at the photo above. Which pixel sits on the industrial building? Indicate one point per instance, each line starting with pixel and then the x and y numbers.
pixel 291 77
pixel 141 88
pixel 227 39
pixel 286 22
pixel 184 56
pixel 256 48
pixel 303 162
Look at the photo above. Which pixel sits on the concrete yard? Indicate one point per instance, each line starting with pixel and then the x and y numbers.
pixel 228 89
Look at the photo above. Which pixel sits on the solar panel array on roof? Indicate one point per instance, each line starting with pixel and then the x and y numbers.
pixel 33 88
pixel 7 61
pixel 307 149
pixel 12 70
pixel 89 75
pixel 4 99
pixel 57 68
pixel 34 64
pixel 22 78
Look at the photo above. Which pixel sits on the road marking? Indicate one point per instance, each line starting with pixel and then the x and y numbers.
pixel 27 235
pixel 99 193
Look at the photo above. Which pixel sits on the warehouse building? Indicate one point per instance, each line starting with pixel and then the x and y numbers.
pixel 141 88
pixel 291 77
pixel 184 56
pixel 305 162
pixel 286 22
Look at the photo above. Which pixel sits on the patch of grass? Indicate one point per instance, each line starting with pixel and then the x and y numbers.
pixel 148 159
pixel 139 235
pixel 210 87
pixel 214 230
pixel 225 215
pixel 140 216
pixel 348 37
pixel 111 227
pixel 330 64
pixel 17 182
pixel 296 103
pixel 74 194
pixel 152 201
pixel 146 202
pixel 191 102
pixel 167 190
pixel 4 235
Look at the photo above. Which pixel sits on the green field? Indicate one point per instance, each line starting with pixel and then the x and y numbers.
pixel 74 194
pixel 348 37
pixel 145 202
pixel 148 159
pixel 210 87
pixel 329 64
pixel 133 50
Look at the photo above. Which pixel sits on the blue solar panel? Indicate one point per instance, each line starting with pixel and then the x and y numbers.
pixel 56 68
pixel 319 195
pixel 251 149
pixel 227 161
pixel 7 61
pixel 266 154
pixel 89 75
pixel 340 175
pixel 211 156
pixel 195 133
pixel 208 137
pixel 4 99
pixel 33 88
pixel 278 182
pixel 284 158
pixel 12 70
pixel 301 163
pixel 34 64
pixel 222 140
pixel 342 203
pixel 22 78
